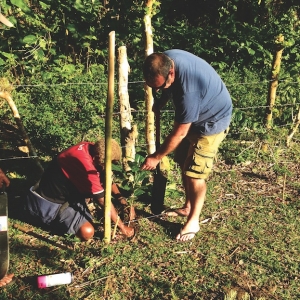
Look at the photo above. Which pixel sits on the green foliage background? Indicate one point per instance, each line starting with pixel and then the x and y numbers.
pixel 56 56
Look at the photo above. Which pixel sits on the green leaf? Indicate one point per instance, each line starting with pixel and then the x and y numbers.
pixel 47 76
pixel 30 39
pixel 21 4
pixel 44 5
pixel 138 192
pixel 69 68
pixel 78 5
pixel 250 51
pixel 43 44
pixel 7 55
pixel 40 54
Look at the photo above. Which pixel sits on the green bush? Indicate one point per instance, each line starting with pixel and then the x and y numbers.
pixel 62 107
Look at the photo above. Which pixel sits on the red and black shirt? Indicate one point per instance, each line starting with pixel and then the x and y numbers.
pixel 71 176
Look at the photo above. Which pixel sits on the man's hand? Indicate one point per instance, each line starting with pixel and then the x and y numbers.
pixel 150 163
pixel 3 179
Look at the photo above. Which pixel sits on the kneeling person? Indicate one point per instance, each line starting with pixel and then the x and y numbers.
pixel 59 199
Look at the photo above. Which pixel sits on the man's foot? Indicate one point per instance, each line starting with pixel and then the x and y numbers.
pixel 188 232
pixel 7 280
pixel 184 237
pixel 178 212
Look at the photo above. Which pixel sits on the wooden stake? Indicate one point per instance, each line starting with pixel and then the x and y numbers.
pixel 115 228
pixel 274 79
pixel 273 85
pixel 108 137
pixel 148 91
pixel 128 133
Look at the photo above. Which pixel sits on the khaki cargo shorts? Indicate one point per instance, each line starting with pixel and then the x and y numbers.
pixel 195 154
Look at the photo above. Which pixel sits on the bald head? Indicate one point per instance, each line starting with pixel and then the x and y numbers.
pixel 154 65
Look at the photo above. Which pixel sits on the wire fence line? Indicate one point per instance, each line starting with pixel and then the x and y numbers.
pixel 116 113
pixel 233 131
pixel 276 105
pixel 18 157
pixel 145 145
pixel 143 82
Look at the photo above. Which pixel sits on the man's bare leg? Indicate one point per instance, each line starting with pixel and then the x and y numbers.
pixel 196 190
pixel 6 280
pixel 184 211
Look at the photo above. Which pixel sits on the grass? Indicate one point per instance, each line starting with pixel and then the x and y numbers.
pixel 248 246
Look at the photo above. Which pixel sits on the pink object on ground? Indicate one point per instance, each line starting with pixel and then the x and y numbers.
pixel 45 281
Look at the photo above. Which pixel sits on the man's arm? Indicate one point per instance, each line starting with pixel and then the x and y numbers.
pixel 3 179
pixel 117 194
pixel 171 142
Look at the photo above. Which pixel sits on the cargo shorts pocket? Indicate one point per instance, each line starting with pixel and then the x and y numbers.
pixel 201 164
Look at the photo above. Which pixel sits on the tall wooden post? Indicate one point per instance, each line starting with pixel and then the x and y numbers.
pixel 108 137
pixel 128 133
pixel 273 85
pixel 274 80
pixel 148 91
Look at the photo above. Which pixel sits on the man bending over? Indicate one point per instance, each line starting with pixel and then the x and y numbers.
pixel 59 199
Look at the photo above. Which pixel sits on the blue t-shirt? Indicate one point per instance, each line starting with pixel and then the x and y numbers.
pixel 199 94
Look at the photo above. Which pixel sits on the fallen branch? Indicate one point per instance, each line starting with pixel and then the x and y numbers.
pixel 5 94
